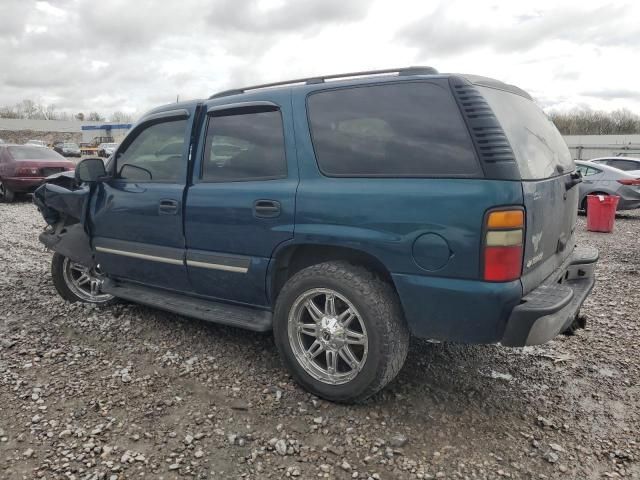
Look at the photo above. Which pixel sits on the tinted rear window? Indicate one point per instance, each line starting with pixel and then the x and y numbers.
pixel 244 146
pixel 540 150
pixel 393 130
pixel 34 153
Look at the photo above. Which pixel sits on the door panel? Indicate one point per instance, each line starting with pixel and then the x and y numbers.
pixel 241 205
pixel 137 216
pixel 223 231
pixel 128 221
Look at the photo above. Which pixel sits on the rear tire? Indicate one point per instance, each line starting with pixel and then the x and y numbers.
pixel 353 345
pixel 6 194
pixel 76 283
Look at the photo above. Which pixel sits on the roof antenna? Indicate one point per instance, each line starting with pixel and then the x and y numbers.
pixel 178 98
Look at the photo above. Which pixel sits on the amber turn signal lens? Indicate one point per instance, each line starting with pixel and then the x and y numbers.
pixel 506 219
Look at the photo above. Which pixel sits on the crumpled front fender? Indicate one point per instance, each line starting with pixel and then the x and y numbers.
pixel 71 241
pixel 64 207
pixel 55 201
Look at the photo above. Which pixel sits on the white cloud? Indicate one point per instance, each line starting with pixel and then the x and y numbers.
pixel 122 55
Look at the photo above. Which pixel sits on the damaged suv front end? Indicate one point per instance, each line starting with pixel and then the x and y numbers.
pixel 63 201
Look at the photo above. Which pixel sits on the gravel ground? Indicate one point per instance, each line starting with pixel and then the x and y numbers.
pixel 132 392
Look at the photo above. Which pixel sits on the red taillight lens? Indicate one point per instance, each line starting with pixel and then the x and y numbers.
pixel 27 172
pixel 502 264
pixel 630 181
pixel 503 245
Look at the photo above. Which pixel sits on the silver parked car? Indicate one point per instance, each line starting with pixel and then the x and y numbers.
pixel 598 179
pixel 627 164
pixel 107 149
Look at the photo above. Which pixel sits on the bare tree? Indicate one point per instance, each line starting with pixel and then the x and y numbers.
pixel 8 112
pixel 590 122
pixel 27 109
pixel 95 117
pixel 79 116
pixel 49 112
pixel 121 117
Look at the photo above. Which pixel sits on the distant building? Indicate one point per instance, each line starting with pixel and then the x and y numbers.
pixel 585 147
pixel 14 130
pixel 105 129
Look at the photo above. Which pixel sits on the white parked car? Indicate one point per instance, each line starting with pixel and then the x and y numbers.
pixel 36 143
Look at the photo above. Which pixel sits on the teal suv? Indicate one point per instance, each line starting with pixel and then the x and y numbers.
pixel 343 213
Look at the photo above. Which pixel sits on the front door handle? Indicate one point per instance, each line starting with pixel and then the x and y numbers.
pixel 168 206
pixel 266 208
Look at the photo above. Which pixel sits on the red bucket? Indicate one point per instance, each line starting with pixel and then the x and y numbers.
pixel 601 212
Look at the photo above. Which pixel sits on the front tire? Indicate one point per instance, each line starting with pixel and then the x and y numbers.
pixel 340 331
pixel 77 283
pixel 6 194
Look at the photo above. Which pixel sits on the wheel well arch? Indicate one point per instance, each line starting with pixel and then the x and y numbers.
pixel 293 258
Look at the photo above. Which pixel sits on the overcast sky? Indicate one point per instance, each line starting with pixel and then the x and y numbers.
pixel 85 55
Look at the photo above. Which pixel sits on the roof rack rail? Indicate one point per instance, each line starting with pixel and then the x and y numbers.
pixel 415 70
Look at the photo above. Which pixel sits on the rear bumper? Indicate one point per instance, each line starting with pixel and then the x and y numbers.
pixel 549 309
pixel 628 204
pixel 23 184
pixel 629 197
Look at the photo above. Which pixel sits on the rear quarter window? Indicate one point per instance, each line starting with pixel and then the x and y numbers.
pixel 540 150
pixel 393 130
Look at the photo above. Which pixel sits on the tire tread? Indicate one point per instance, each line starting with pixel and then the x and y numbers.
pixel 382 298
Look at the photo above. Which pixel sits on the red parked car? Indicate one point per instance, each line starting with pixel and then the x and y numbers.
pixel 23 168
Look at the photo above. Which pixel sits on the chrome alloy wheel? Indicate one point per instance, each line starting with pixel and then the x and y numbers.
pixel 327 336
pixel 84 282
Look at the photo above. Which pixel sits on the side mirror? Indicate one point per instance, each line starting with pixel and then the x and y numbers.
pixel 90 170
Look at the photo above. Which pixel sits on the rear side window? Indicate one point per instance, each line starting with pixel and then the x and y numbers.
pixel 244 146
pixel 393 130
pixel 587 171
pixel 626 165
pixel 540 150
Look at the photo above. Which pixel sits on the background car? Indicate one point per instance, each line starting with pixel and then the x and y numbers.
pixel 599 179
pixel 23 168
pixel 67 149
pixel 626 164
pixel 36 143
pixel 106 149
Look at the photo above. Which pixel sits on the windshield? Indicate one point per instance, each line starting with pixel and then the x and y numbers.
pixel 34 153
pixel 540 150
pixel 70 145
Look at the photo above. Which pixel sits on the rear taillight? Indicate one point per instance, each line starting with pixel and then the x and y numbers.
pixel 630 181
pixel 503 245
pixel 27 172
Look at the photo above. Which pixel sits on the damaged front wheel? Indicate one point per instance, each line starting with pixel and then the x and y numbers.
pixel 77 283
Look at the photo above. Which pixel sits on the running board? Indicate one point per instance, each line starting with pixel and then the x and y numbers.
pixel 223 313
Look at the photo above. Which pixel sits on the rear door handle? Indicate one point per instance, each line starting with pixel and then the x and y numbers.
pixel 168 206
pixel 266 208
